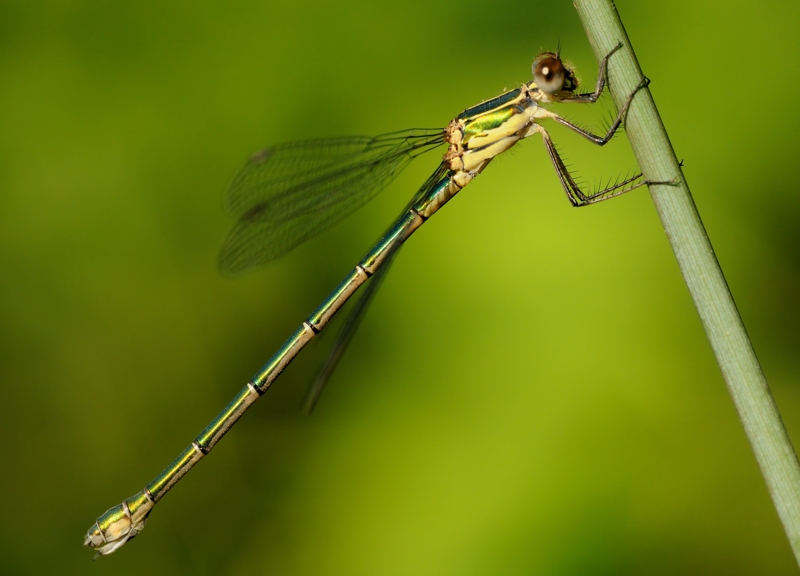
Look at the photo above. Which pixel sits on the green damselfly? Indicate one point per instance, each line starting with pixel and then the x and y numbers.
pixel 288 193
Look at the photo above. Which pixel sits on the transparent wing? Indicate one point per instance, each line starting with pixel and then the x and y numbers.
pixel 355 316
pixel 346 334
pixel 286 194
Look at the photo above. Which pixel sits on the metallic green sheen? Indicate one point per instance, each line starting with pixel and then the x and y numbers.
pixel 484 107
pixel 436 190
pixel 397 233
pixel 316 317
pixel 488 122
pixel 157 486
pixel 112 515
pixel 212 433
pixel 137 501
pixel 262 379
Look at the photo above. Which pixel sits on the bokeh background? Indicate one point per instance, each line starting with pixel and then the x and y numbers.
pixel 531 393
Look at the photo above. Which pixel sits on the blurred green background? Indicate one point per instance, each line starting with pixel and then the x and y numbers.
pixel 531 393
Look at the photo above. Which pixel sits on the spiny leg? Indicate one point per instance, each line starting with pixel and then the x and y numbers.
pixel 601 83
pixel 574 193
pixel 543 113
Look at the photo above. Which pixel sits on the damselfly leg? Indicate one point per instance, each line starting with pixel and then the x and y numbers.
pixel 574 193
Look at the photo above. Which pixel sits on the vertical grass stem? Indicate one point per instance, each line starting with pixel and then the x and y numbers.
pixel 740 368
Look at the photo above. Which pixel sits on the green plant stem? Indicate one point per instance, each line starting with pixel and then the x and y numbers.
pixel 740 368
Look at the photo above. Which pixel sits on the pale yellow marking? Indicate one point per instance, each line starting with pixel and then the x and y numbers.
pixel 542 113
pixel 476 160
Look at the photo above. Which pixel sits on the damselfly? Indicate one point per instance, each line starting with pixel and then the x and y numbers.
pixel 288 193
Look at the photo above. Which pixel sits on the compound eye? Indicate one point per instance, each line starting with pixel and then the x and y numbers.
pixel 549 73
